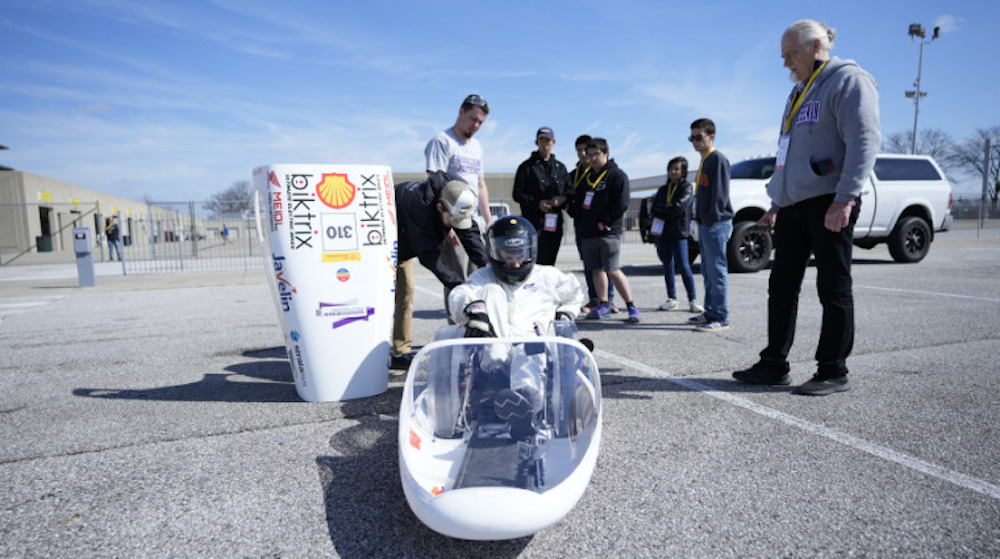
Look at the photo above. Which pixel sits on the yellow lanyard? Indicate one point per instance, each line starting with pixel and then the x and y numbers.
pixel 672 191
pixel 697 178
pixel 798 102
pixel 578 176
pixel 597 181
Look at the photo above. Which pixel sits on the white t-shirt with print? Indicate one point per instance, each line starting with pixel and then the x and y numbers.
pixel 464 160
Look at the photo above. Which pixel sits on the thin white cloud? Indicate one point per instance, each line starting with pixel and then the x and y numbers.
pixel 948 23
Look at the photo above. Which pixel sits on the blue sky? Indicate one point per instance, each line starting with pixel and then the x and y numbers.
pixel 177 99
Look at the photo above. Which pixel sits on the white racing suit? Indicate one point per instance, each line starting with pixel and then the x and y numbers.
pixel 525 309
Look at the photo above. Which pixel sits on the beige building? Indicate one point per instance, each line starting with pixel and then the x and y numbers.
pixel 38 213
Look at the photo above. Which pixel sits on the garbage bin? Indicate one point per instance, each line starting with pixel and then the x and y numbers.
pixel 331 237
pixel 43 243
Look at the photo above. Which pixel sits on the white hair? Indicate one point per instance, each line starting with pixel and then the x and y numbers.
pixel 808 30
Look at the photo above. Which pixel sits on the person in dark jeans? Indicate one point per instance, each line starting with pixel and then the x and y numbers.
pixel 670 229
pixel 113 235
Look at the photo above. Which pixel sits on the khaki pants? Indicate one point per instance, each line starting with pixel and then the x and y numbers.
pixel 402 322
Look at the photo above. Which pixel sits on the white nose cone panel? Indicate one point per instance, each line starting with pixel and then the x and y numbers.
pixel 483 457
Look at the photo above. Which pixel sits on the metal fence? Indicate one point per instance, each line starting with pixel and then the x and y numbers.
pixel 177 240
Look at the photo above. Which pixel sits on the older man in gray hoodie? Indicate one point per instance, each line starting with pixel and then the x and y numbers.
pixel 830 136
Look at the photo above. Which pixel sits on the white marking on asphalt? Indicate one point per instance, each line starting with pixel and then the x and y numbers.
pixel 900 458
pixel 928 293
pixel 15 305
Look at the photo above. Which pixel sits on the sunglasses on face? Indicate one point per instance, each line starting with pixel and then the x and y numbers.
pixel 696 137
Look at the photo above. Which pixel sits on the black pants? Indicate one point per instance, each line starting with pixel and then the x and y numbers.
pixel 799 233
pixel 548 246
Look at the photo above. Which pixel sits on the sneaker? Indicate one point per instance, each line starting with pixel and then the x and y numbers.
pixel 613 308
pixel 401 361
pixel 696 307
pixel 633 314
pixel 762 374
pixel 823 386
pixel 599 312
pixel 588 307
pixel 669 305
pixel 713 326
pixel 698 319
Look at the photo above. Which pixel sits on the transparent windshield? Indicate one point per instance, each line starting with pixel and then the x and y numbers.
pixel 501 412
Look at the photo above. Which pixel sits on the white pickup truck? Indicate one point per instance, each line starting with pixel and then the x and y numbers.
pixel 906 200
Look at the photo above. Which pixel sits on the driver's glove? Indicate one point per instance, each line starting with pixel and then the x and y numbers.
pixel 478 325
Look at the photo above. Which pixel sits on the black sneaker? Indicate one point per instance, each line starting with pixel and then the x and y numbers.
pixel 823 386
pixel 762 374
pixel 401 361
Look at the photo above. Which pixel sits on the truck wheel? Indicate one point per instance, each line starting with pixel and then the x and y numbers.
pixel 910 240
pixel 749 248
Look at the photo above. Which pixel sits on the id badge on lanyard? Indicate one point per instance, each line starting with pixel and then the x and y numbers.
pixel 782 151
pixel 551 222
pixel 657 229
pixel 588 199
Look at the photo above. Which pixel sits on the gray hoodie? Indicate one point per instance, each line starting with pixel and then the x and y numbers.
pixel 834 138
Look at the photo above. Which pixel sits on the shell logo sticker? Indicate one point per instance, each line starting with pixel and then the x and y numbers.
pixel 335 190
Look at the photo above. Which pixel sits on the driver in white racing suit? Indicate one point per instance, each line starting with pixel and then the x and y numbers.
pixel 518 297
pixel 513 297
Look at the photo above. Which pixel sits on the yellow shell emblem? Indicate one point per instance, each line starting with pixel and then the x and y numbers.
pixel 335 190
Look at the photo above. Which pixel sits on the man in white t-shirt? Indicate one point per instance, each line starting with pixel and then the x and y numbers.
pixel 457 153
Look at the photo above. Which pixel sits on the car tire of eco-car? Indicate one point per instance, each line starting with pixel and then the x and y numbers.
pixel 910 240
pixel 749 248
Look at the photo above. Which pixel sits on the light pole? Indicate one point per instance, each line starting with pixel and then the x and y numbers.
pixel 917 30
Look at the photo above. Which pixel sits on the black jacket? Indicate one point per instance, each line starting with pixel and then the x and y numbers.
pixel 421 229
pixel 607 205
pixel 537 180
pixel 676 213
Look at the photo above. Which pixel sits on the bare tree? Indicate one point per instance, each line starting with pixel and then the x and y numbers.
pixel 930 141
pixel 969 156
pixel 233 200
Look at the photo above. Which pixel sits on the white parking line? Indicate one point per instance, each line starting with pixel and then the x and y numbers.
pixel 928 293
pixel 15 305
pixel 900 458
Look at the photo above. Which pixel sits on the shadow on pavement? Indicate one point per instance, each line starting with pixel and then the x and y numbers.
pixel 271 366
pixel 366 510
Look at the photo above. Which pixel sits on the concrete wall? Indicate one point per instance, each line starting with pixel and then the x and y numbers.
pixel 34 206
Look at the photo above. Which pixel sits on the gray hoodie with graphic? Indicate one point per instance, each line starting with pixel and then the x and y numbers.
pixel 833 139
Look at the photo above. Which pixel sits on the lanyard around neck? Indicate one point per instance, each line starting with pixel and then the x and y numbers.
pixel 798 102
pixel 671 190
pixel 580 176
pixel 593 184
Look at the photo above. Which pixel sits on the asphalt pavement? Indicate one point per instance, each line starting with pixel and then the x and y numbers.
pixel 155 416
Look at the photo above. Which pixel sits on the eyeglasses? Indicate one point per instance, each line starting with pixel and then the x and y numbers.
pixel 697 137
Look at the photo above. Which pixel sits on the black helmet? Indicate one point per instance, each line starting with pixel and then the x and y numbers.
pixel 513 245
